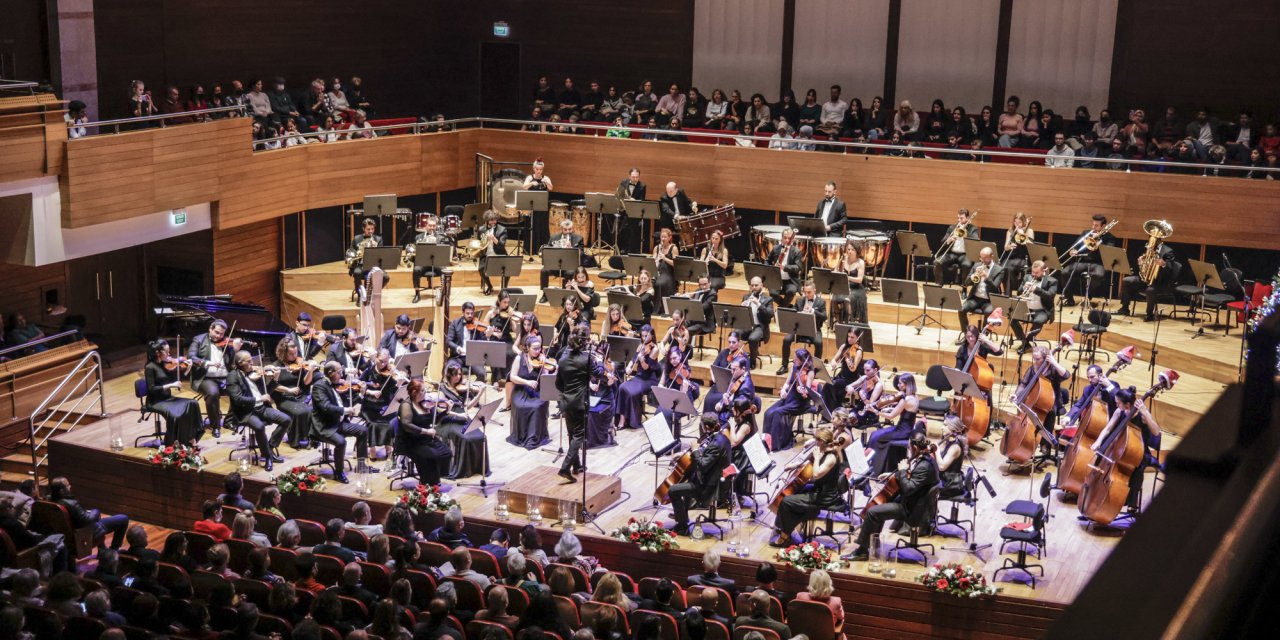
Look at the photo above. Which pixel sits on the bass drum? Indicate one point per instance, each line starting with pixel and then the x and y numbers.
pixel 560 211
pixel 502 195
pixel 825 253
pixel 873 246
pixel 760 242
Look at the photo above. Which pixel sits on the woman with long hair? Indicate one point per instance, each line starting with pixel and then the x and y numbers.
pixel 904 410
pixel 716 256
pixel 163 375
pixel 528 410
pixel 644 370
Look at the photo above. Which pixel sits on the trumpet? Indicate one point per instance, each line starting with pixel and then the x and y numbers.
pixel 979 273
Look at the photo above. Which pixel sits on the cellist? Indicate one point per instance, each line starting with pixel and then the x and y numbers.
pixel 699 483
pixel 975 339
pixel 1127 402
pixel 826 493
pixel 1106 392
pixel 916 474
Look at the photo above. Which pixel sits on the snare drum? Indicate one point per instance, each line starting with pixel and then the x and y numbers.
pixel 696 230
pixel 452 225
pixel 423 218
pixel 825 253
pixel 873 246
pixel 760 242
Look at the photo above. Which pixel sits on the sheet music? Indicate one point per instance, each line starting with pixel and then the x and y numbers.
pixel 659 432
pixel 857 458
pixel 758 455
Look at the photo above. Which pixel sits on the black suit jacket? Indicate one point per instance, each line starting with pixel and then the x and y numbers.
pixel 388 342
pixel 355 242
pixel 994 279
pixel 819 309
pixel 668 206
pixel 499 240
pixel 573 380
pixel 241 396
pixel 1093 257
pixel 1047 292
pixel 198 352
pixel 312 346
pixel 21 536
pixel 325 410
pixel 715 580
pixel 839 214
pixel 970 232
pixel 709 462
pixel 792 265
pixel 764 313
pixel 453 337
pixel 637 192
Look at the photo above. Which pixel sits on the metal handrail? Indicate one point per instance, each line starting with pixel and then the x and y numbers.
pixel 79 368
pixel 14 85
pixel 159 116
pixel 417 127
pixel 27 345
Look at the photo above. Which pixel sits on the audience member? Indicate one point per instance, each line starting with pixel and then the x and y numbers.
pixel 63 594
pixel 531 545
pixel 386 622
pixel 219 557
pixel 350 586
pixel 710 575
pixel 460 559
pixel 107 572
pixel 496 611
pixel 260 567
pixel 380 550
pixel 242 529
pixel 543 614
pixel 53 548
pixel 609 589
pixel 333 543
pixel 450 534
pixel 766 577
pixel 246 624
pixel 305 568
pixel 436 626
pixel 518 575
pixel 175 552
pixel 661 600
pixel 362 520
pixel 820 591
pixel 97 605
pixel 399 522
pixel 569 551
pixel 144 578
pixel 282 602
pixel 211 523
pixel 758 615
pixel 60 492
pixel 289 535
pixel 499 540
pixel 708 600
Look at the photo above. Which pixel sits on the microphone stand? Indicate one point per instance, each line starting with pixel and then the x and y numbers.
pixel 973 547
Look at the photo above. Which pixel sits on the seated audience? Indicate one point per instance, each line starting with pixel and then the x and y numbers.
pixel 211 523
pixel 460 560
pixel 63 594
pixel 136 536
pixel 282 602
pixel 60 492
pixel 108 570
pixel 496 611
pixel 175 552
pixel 706 606
pixel 661 600
pixel 450 534
pixel 144 579
pixel 350 586
pixel 219 557
pixel 519 576
pixel 386 622
pixel 242 529
pixel 333 543
pixel 380 550
pixel 820 591
pixel 97 605
pixel 609 589
pixel 758 615
pixel 437 623
pixel 289 536
pixel 260 567
pixel 569 551
pixel 305 568
pixel 232 485
pixel 362 520
pixel 531 545
pixel 269 501
pixel 710 576
pixel 399 522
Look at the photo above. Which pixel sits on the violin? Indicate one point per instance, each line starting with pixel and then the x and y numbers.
pixel 544 364
pixel 176 364
pixel 349 385
pixel 476 325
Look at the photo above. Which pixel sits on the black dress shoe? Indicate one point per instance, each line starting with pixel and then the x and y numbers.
pixel 217 433
pixel 858 555
pixel 341 477
pixel 782 371
pixel 268 465
pixel 274 458
pixel 1148 318
pixel 1123 311
pixel 779 541
pixel 416 297
pixel 569 478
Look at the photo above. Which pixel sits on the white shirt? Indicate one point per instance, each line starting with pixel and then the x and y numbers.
pixel 253 389
pixel 826 209
pixel 217 367
pixel 833 112
pixel 1060 157
pixel 1033 302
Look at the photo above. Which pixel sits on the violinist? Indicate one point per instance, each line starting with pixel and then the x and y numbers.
pixel 787 256
pixel 529 416
pixel 716 255
pixel 428 234
pixel 740 387
pixel 1044 364
pixel 811 303
pixel 381 382
pixel 469 447
pixel 400 339
pixel 565 239
pixel 1106 392
pixel 903 408
pixel 616 325
pixel 916 475
pixel 493 238
pixel 1128 402
pixel 289 388
pixel 569 318
pixel 502 321
pixel 985 278
pixel 864 394
pixel 794 400
pixel 710 459
pixel 1039 290
pixel 1015 246
pixel 954 259
pixel 585 290
pixel 164 375
pixel 955 448
pixel 210 354
pixel 528 326
pixel 461 331
pixel 973 339
pixel 604 393
pixel 677 334
pixel 643 369
pixel 761 306
pixel 827 464
pixel 707 296
pixel 333 420
pixel 573 380
pixel 310 343
pixel 664 257
pixel 251 405
pixel 726 356
pixel 355 253
pixel 348 353
pixel 676 375
pixel 1084 260
pixel 848 363
pixel 418 437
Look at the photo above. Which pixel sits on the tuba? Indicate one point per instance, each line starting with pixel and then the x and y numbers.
pixel 1149 261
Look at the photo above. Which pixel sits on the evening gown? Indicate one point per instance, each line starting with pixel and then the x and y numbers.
pixel 833 394
pixel 468 448
pixel 882 437
pixel 632 393
pixel 296 406
pixel 779 417
pixel 600 417
pixel 184 423
pixel 430 454
pixel 528 412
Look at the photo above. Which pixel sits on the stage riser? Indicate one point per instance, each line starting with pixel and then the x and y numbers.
pixel 552 495
pixel 875 608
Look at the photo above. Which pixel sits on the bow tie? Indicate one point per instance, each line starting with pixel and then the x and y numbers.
pixel 830 199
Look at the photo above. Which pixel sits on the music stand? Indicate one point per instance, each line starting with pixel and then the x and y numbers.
pixel 693 310
pixel 556 297
pixel 661 441
pixel 487 354
pixel 689 269
pixel 561 259
pixel 432 256
pixel 676 401
pixel 603 204
pixel 632 308
pixel 414 364
pixel 481 421
pixel 899 293
pixel 808 226
pixel 830 284
pixel 1116 261
pixel 524 302
pixel 865 341
pixel 546 332
pixel 801 325
pixel 913 245
pixel 505 267
pixel 1206 277
pixel 963 383
pixel 534 201
pixel 721 377
pixel 973 249
pixel 940 298
pixel 1045 253
pixel 401 394
pixel 622 349
pixel 632 263
pixel 382 204
pixel 769 275
pixel 643 210
pixel 387 258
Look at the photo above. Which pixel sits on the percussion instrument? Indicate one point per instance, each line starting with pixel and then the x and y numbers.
pixel 873 246
pixel 453 225
pixel 423 218
pixel 825 253
pixel 696 229
pixel 560 211
pixel 502 194
pixel 759 241
pixel 585 229
pixel 772 240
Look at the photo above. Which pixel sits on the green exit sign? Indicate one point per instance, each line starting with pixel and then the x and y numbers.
pixel 501 29
pixel 179 217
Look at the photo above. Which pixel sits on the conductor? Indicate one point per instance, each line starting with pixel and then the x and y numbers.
pixel 573 380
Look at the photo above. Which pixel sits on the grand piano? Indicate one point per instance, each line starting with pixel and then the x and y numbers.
pixel 189 316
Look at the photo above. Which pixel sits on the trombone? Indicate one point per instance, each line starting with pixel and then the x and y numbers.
pixel 958 234
pixel 1090 241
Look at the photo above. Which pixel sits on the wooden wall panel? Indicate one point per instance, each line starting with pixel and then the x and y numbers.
pixel 246 263
pixel 345 172
pixel 22 286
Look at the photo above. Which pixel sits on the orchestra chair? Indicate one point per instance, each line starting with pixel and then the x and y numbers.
pixel 923 517
pixel 1091 330
pixel 813 619
pixel 581 584
pixel 590 611
pixel 402 466
pixel 144 412
pixel 267 523
pixel 740 633
pixel 229 421
pixel 615 272
pixel 424 587
pixel 1256 293
pixel 649 586
pixel 355 540
pixel 517 599
pixel 666 622
pixel 256 591
pixel 477 629
pixel 1026 533
pixel 50 517
pixel 898 449
pixel 239 554
pixel 727 478
pixel 966 499
pixel 1200 299
pixel 828 528
pixel 937 405
pixel 282 562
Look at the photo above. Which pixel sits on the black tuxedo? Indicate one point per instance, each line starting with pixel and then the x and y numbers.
pixel 1133 286
pixel 199 352
pixel 1086 263
pixel 702 478
pixel 389 341
pixel 820 318
pixel 790 268
pixel 573 380
pixel 637 192
pixel 499 245
pixel 679 205
pixel 952 260
pixel 630 241
pixel 454 338
pixel 764 315
pixel 976 303
pixel 1046 293
pixel 909 504
pixel 433 239
pixel 838 217
pixel 254 415
pixel 331 425
pixel 575 241
pixel 337 352
pixel 308 348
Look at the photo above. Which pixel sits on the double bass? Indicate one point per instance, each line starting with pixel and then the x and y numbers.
pixel 1037 399
pixel 1107 486
pixel 1093 419
pixel 974 412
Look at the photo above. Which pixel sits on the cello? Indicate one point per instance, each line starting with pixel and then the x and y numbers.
pixel 1107 486
pixel 975 413
pixel 680 467
pixel 1093 419
pixel 891 488
pixel 1037 399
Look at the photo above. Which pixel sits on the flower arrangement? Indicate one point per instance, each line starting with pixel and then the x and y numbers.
pixel 180 456
pixel 957 580
pixel 298 480
pixel 425 499
pixel 647 535
pixel 809 556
